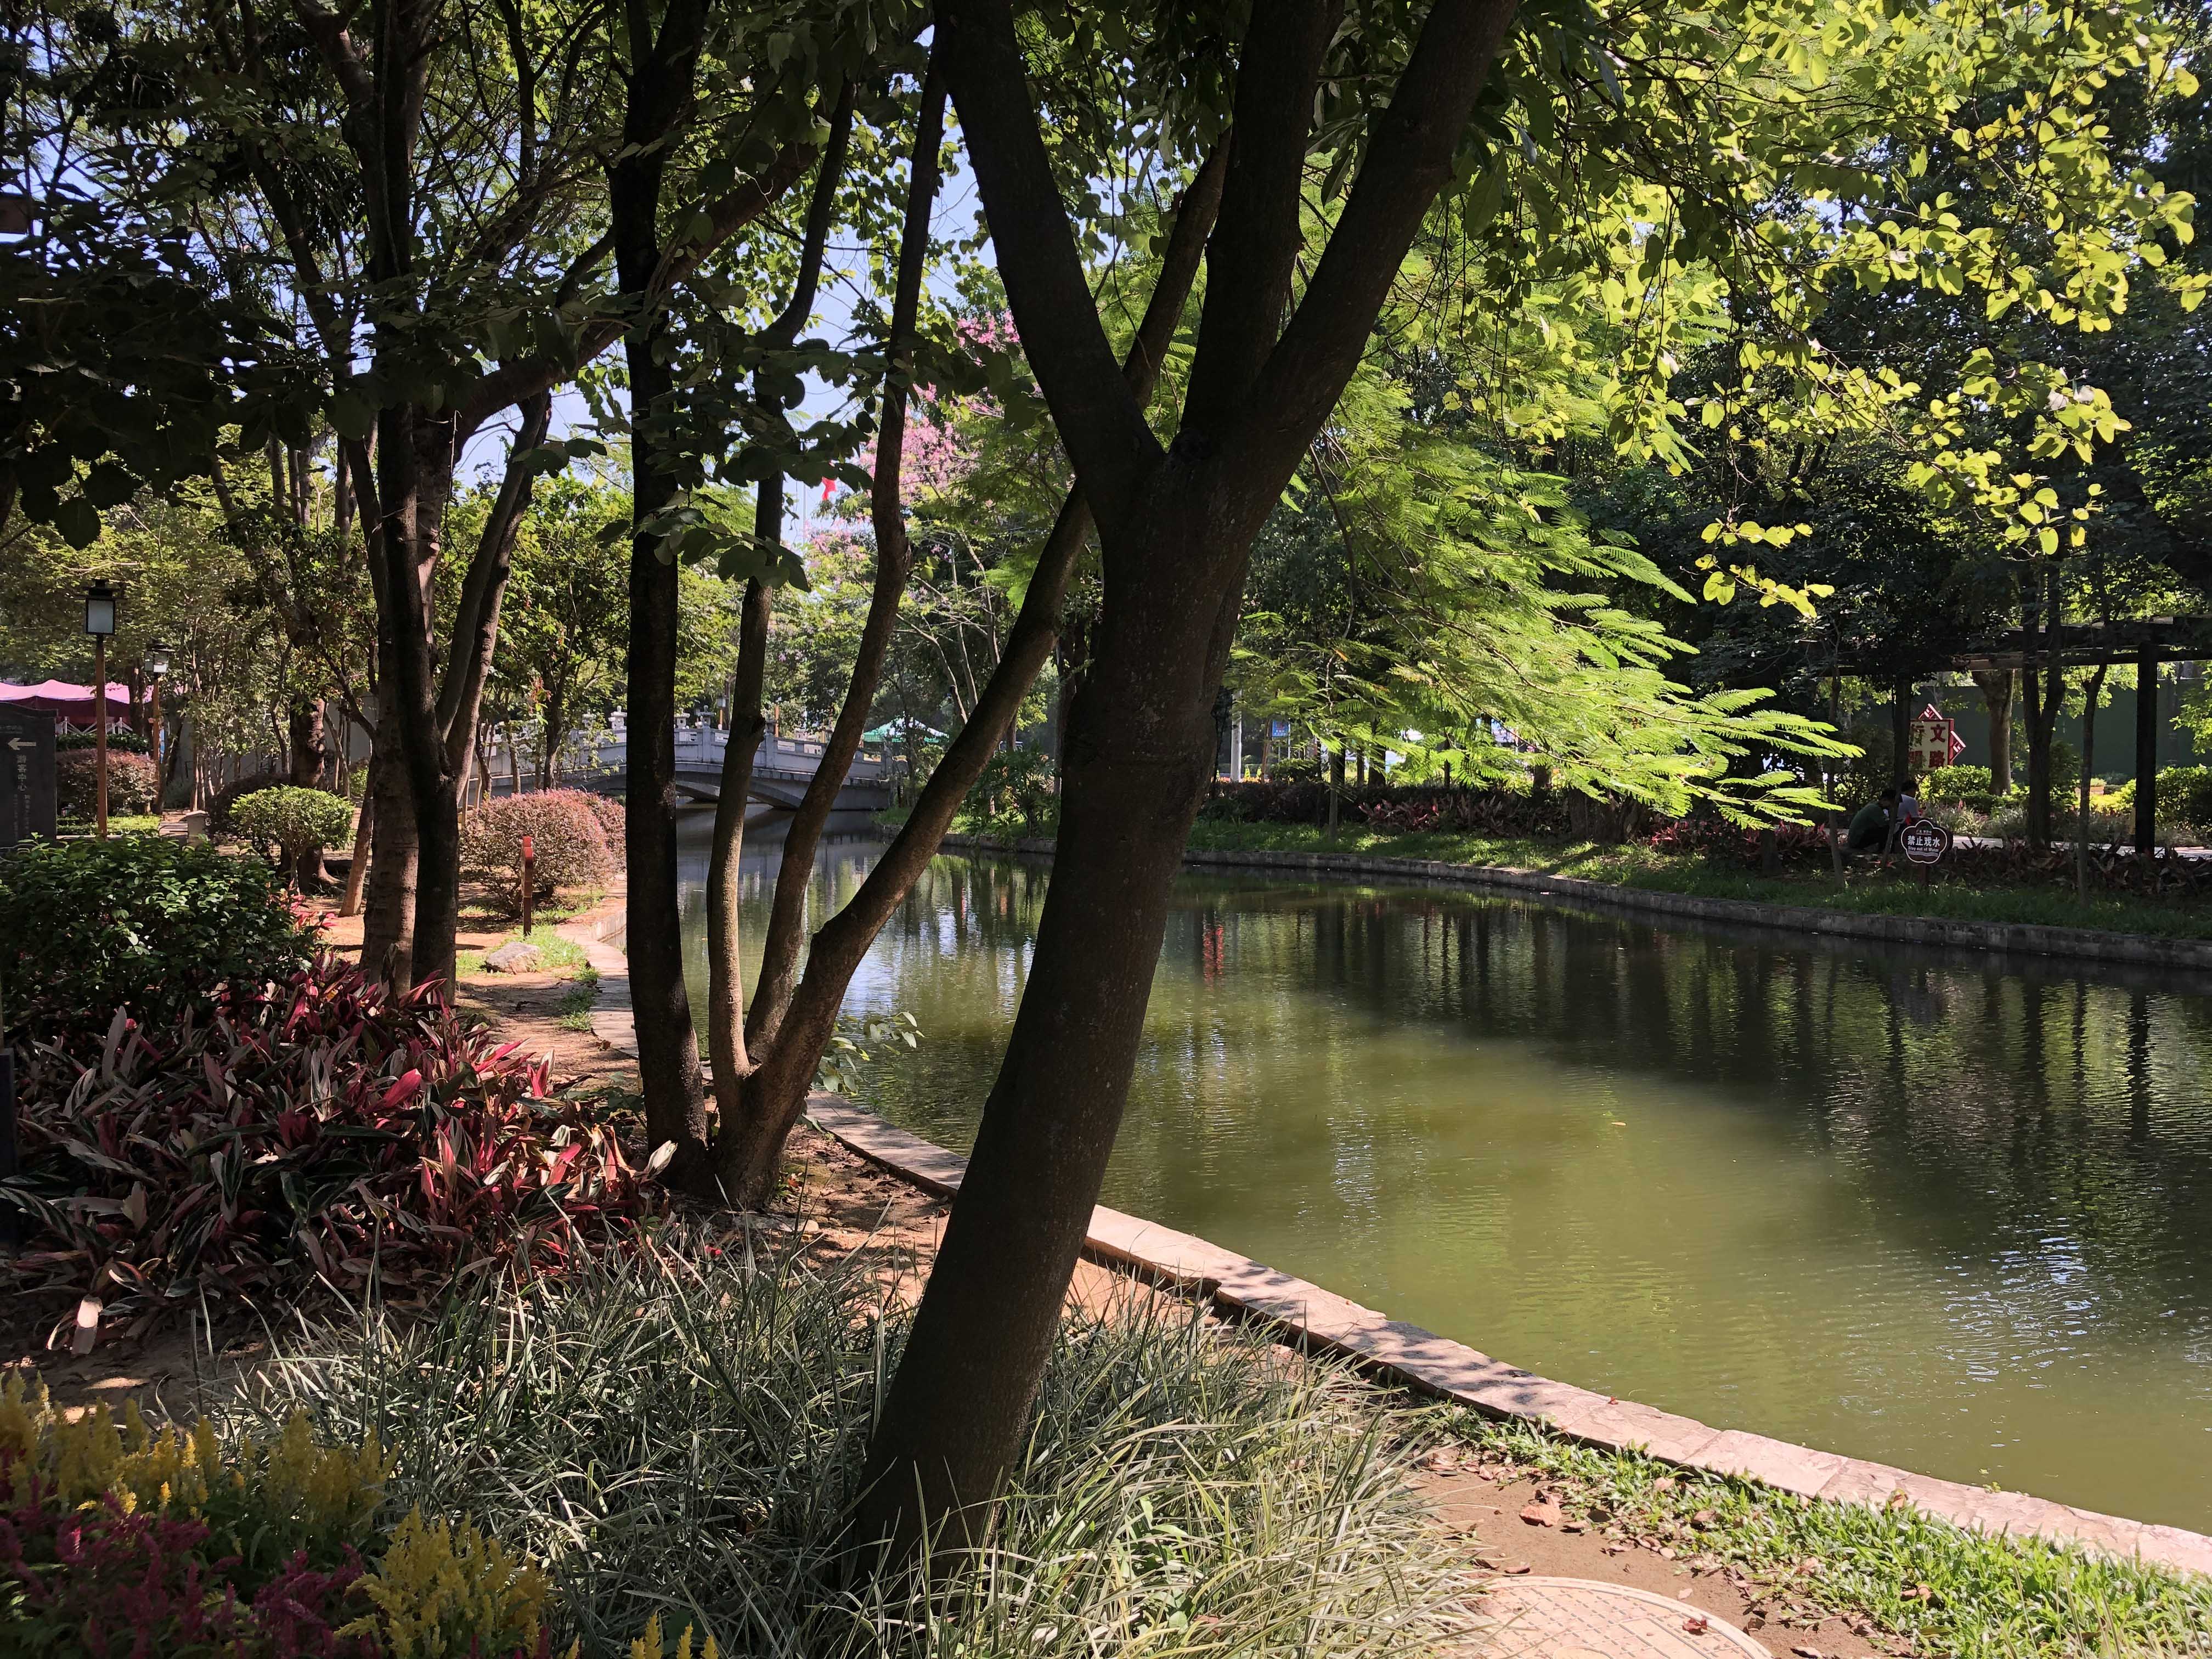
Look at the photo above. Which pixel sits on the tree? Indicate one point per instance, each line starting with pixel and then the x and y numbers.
pixel 1385 108
pixel 565 621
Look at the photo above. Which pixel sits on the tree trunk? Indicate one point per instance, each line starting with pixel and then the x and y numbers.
pixel 2147 754
pixel 659 89
pixel 726 992
pixel 2088 763
pixel 414 466
pixel 1900 735
pixel 2040 700
pixel 309 750
pixel 388 912
pixel 1995 686
pixel 780 948
pixel 1175 530
pixel 1335 787
pixel 1136 772
pixel 357 870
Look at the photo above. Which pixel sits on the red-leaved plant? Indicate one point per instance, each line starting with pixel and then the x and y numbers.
pixel 113 1584
pixel 320 1134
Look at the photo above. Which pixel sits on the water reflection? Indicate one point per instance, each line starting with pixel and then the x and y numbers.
pixel 1931 1208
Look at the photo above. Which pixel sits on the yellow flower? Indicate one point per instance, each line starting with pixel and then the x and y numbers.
pixel 443 1591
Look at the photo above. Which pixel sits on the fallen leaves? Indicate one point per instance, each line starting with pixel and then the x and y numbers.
pixel 1544 1512
pixel 1697 1624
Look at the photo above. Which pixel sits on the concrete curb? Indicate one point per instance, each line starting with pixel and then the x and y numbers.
pixel 612 1022
pixel 1421 1360
pixel 2019 939
pixel 1431 1365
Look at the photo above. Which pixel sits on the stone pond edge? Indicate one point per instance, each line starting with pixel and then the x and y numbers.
pixel 2016 938
pixel 1421 1360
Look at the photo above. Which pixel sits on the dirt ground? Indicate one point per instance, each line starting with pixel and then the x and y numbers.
pixel 844 1207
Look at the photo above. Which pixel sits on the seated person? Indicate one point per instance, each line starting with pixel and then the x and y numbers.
pixel 1909 810
pixel 1869 830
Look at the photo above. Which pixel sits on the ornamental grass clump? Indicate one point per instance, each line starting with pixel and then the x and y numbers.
pixel 569 842
pixel 320 1140
pixel 678 1433
pixel 117 1540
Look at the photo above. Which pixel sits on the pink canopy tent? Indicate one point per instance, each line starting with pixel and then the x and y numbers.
pixel 70 704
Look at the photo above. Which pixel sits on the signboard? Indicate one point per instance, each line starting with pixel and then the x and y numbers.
pixel 27 775
pixel 1925 840
pixel 1932 743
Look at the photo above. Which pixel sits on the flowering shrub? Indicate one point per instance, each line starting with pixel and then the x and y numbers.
pixel 133 782
pixel 159 924
pixel 565 829
pixel 299 823
pixel 614 821
pixel 316 1137
pixel 115 1541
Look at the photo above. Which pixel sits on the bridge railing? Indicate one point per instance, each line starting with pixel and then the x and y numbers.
pixel 698 748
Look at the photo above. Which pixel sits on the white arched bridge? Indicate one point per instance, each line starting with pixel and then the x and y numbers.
pixel 783 768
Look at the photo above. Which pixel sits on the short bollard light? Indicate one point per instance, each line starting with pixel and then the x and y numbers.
pixel 529 876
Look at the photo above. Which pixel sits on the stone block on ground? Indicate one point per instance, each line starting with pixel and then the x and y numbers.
pixel 515 957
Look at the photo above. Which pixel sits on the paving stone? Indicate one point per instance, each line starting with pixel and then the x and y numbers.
pixel 1776 1462
pixel 1623 1423
pixel 1861 1482
pixel 2171 1546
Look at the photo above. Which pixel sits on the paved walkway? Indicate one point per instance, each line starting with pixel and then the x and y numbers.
pixel 1583 1619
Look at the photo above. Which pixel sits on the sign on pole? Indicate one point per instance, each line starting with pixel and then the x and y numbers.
pixel 1933 742
pixel 1924 842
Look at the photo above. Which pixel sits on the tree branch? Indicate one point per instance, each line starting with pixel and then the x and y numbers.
pixel 1249 258
pixel 476 618
pixel 894 560
pixel 1099 420
pixel 844 939
pixel 1409 161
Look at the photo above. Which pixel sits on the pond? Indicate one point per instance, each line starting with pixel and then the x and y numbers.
pixel 1945 1210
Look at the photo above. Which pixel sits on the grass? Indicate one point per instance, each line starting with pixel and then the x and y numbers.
pixel 1867 892
pixel 1944 1589
pixel 560 955
pixel 680 1434
pixel 574 1009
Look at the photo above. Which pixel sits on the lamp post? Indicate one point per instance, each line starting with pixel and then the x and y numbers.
pixel 100 623
pixel 157 667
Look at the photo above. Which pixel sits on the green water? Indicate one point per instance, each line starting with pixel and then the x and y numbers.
pixel 1923 1207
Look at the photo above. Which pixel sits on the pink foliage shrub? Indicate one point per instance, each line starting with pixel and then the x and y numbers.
pixel 133 783
pixel 313 1137
pixel 567 832
pixel 614 821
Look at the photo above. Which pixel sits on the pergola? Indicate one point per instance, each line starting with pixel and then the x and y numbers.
pixel 2146 642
